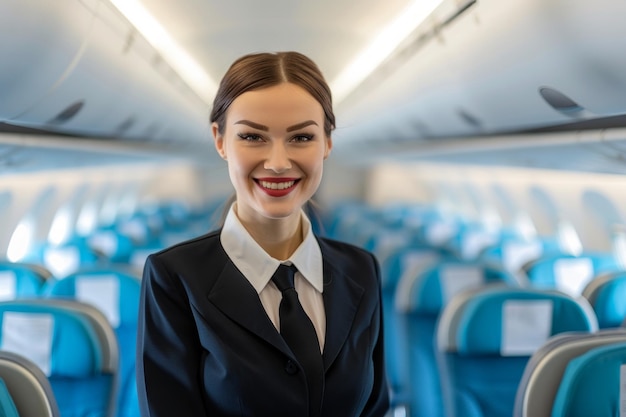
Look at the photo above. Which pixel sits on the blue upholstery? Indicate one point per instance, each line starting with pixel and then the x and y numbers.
pixel 124 323
pixel 591 384
pixel 425 297
pixel 542 272
pixel 113 245
pixel 29 389
pixel 81 360
pixel 19 280
pixel 479 365
pixel 7 406
pixel 607 295
pixel 544 371
pixel 395 334
pixel 65 258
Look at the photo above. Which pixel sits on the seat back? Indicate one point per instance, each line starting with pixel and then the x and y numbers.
pixel 116 293
pixel 569 273
pixel 26 387
pixel 607 295
pixel 420 300
pixel 486 336
pixel 591 383
pixel 543 374
pixel 73 344
pixel 19 280
pixel 402 266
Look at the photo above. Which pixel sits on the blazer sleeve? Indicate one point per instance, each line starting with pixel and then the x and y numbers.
pixel 378 402
pixel 168 348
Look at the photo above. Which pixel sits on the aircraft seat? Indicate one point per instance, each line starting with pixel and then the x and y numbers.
pixel 543 374
pixel 7 406
pixel 607 295
pixel 19 280
pixel 401 266
pixel 567 272
pixel 74 346
pixel 486 336
pixel 420 298
pixel 591 384
pixel 115 293
pixel 25 391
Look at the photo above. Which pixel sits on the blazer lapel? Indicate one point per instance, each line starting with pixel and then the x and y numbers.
pixel 233 295
pixel 342 296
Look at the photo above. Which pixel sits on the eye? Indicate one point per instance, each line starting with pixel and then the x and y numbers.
pixel 302 138
pixel 250 137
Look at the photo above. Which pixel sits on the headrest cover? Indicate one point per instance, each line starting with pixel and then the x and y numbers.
pixel 510 322
pixel 61 343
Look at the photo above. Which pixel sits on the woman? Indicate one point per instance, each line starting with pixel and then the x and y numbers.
pixel 216 335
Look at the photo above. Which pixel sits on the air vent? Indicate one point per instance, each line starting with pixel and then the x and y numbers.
pixel 125 125
pixel 67 114
pixel 470 119
pixel 562 103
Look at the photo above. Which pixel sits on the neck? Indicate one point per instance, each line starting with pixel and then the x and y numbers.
pixel 278 237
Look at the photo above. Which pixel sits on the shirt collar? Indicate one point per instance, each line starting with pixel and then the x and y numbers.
pixel 257 266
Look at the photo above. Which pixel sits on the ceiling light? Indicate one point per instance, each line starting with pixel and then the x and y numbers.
pixel 184 65
pixel 382 46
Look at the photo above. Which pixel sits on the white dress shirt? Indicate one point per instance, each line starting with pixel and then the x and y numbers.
pixel 258 267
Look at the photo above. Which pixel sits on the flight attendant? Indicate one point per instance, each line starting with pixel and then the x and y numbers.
pixel 262 317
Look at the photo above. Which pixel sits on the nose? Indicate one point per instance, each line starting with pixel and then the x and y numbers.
pixel 277 159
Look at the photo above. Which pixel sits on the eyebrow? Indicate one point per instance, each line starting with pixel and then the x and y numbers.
pixel 265 128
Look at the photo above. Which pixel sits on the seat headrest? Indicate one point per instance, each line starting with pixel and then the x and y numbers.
pixel 114 293
pixel 60 342
pixel 512 321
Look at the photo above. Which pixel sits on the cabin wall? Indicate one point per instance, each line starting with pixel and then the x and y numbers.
pixel 41 194
pixel 574 197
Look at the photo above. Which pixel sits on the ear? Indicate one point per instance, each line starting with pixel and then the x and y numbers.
pixel 218 138
pixel 329 146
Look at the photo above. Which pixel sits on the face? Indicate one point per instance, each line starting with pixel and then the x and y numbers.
pixel 275 145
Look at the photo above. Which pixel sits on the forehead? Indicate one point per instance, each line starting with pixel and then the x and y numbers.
pixel 284 103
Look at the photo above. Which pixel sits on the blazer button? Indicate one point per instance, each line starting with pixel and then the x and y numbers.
pixel 291 368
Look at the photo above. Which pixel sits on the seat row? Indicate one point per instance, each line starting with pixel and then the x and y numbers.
pixel 460 329
pixel 80 331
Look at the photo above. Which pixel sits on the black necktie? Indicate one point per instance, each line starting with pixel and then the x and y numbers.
pixel 298 331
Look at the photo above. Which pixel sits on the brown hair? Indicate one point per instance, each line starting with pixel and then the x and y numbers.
pixel 257 71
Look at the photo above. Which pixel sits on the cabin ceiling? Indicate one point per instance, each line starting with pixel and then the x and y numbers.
pixel 475 70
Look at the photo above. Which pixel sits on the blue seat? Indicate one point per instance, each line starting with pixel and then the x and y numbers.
pixel 75 347
pixel 401 265
pixel 7 406
pixel 543 374
pixel 591 384
pixel 65 258
pixel 486 336
pixel 28 390
pixel 19 280
pixel 569 273
pixel 419 301
pixel 116 293
pixel 607 295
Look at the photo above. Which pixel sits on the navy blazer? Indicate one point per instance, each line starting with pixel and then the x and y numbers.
pixel 206 346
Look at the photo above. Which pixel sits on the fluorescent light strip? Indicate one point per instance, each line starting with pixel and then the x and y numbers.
pixel 382 46
pixel 184 65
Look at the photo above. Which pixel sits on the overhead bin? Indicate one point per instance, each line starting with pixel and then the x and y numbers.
pixel 41 41
pixel 483 73
pixel 113 85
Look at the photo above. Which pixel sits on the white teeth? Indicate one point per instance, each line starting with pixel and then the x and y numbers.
pixel 277 185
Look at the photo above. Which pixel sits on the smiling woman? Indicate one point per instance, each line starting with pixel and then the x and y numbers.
pixel 262 317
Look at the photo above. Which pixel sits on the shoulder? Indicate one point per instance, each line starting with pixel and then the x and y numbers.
pixel 205 248
pixel 338 248
pixel 348 257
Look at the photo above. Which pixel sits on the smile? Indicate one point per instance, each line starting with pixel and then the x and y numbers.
pixel 276 185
